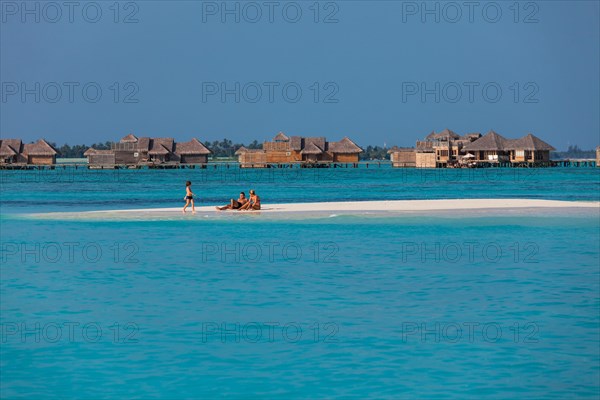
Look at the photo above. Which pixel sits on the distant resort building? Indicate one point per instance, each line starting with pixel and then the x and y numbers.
pixel 495 148
pixel 403 157
pixel 133 151
pixel 448 149
pixel 297 149
pixel 438 149
pixel 15 152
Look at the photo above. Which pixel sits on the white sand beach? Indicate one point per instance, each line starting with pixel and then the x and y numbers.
pixel 476 207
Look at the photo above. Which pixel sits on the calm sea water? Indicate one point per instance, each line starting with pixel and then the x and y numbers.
pixel 436 306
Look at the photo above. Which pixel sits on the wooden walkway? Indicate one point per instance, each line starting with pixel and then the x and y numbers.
pixel 235 165
pixel 215 165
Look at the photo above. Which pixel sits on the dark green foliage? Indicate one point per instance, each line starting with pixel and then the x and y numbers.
pixel 226 148
pixel 374 153
pixel 76 151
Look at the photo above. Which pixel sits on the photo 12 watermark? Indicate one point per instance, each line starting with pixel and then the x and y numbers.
pixel 67 174
pixel 455 12
pixel 69 12
pixel 469 252
pixel 68 332
pixel 262 175
pixel 469 332
pixel 69 92
pixel 270 12
pixel 268 332
pixel 465 175
pixel 269 252
pixel 290 92
pixel 470 92
pixel 70 253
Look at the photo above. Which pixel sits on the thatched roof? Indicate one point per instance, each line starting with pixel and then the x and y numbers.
pixel 316 145
pixel 344 146
pixel 92 151
pixel 431 136
pixel 318 141
pixel 529 142
pixel 296 143
pixel 159 150
pixel 131 138
pixel 281 137
pixel 490 142
pixel 143 144
pixel 14 143
pixel 10 147
pixel 168 143
pixel 471 136
pixel 241 150
pixel 39 148
pixel 447 134
pixel 194 146
pixel 7 151
pixel 311 148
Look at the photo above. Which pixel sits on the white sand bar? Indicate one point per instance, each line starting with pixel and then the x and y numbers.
pixel 476 207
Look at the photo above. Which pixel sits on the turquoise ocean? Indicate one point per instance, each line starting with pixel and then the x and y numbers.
pixel 440 305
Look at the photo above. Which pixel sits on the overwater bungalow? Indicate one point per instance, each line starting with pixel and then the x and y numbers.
pixel 403 157
pixel 436 150
pixel 344 151
pixel 297 149
pixel 491 147
pixel 495 148
pixel 252 158
pixel 131 150
pixel 448 149
pixel 529 149
pixel 101 158
pixel 14 151
pixel 192 152
pixel 11 152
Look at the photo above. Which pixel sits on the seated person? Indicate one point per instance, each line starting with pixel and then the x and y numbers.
pixel 235 204
pixel 253 203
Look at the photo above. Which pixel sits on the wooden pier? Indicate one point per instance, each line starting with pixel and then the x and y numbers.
pixel 579 163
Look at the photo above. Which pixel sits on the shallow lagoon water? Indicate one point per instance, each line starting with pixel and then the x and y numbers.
pixel 73 190
pixel 440 305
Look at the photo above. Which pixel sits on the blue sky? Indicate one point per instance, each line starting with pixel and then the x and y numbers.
pixel 376 71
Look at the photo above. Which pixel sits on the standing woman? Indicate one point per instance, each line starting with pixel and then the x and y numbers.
pixel 189 197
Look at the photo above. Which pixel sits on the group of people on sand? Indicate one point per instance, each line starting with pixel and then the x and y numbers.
pixel 242 203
